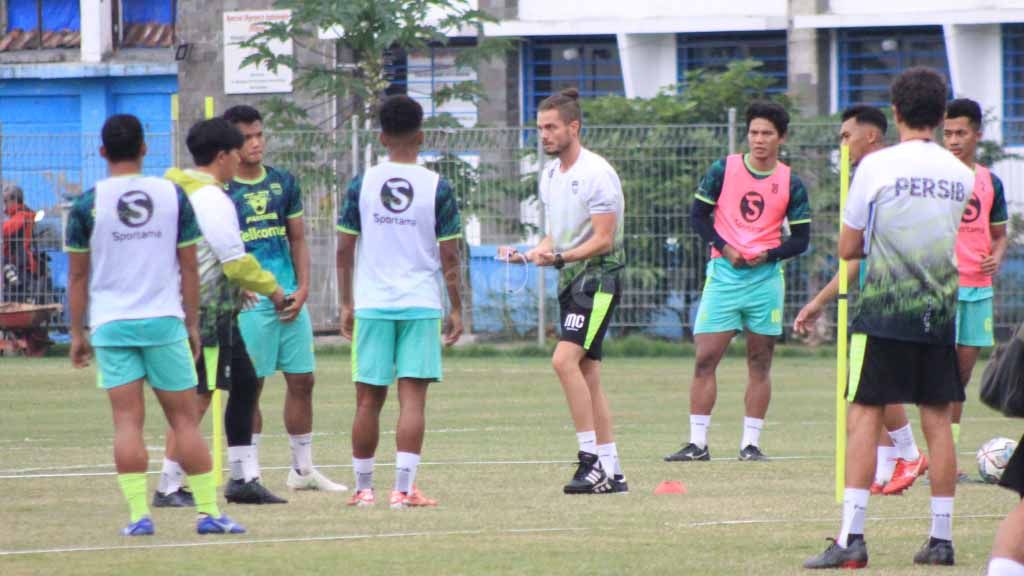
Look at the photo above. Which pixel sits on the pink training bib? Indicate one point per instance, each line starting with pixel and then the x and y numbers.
pixel 750 211
pixel 974 241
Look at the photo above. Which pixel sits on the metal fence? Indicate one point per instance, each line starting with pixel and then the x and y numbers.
pixel 494 173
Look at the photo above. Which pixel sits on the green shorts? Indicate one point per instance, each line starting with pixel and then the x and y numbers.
pixel 729 304
pixel 385 349
pixel 974 323
pixel 274 345
pixel 168 367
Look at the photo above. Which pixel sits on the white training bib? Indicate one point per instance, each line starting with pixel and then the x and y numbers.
pixel 134 272
pixel 397 255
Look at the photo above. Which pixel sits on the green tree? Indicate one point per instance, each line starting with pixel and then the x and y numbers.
pixel 371 32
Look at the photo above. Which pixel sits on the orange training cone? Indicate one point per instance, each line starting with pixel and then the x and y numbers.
pixel 670 487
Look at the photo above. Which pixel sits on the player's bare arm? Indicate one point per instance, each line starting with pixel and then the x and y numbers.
pixel 346 259
pixel 1000 241
pixel 188 261
pixel 450 266
pixel 600 242
pixel 851 243
pixel 78 300
pixel 296 230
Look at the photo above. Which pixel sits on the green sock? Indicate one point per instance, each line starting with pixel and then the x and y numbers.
pixel 956 435
pixel 134 488
pixel 204 489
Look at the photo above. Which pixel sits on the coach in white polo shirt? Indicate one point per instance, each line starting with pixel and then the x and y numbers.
pixel 584 209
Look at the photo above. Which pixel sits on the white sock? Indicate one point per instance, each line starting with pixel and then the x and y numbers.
pixel 302 452
pixel 172 476
pixel 699 424
pixel 904 441
pixel 942 517
pixel 363 469
pixel 236 457
pixel 405 471
pixel 1005 567
pixel 886 464
pixel 256 439
pixel 588 441
pixel 243 463
pixel 609 456
pixel 751 432
pixel 855 506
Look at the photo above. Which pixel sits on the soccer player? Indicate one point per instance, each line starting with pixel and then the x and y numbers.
pixel 224 269
pixel 269 205
pixel 981 244
pixel 399 228
pixel 899 461
pixel 584 210
pixel 1008 548
pixel 902 218
pixel 739 211
pixel 144 323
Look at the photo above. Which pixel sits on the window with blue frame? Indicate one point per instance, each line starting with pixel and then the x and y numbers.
pixel 870 58
pixel 589 64
pixel 421 73
pixel 1013 84
pixel 146 23
pixel 714 52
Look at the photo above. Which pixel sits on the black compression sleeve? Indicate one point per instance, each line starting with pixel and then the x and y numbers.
pixel 796 244
pixel 701 217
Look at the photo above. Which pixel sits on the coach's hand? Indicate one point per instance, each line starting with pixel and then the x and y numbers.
pixel 453 328
pixel 291 311
pixel 808 316
pixel 347 322
pixel 542 258
pixel 511 255
pixel 734 257
pixel 249 299
pixel 81 350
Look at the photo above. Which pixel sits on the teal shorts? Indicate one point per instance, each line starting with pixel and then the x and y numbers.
pixel 734 300
pixel 274 345
pixel 974 323
pixel 168 367
pixel 385 349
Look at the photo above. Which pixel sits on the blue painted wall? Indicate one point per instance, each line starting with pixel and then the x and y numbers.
pixel 49 134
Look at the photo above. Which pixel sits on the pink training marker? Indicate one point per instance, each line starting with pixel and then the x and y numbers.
pixel 670 487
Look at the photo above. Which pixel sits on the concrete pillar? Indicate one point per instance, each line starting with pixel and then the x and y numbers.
pixel 976 69
pixel 808 54
pixel 649 63
pixel 97 29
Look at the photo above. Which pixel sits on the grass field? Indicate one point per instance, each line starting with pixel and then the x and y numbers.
pixel 498 450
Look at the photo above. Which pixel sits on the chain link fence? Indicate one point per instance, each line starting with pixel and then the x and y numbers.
pixel 494 173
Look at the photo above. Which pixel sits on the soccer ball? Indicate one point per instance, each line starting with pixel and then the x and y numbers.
pixel 993 457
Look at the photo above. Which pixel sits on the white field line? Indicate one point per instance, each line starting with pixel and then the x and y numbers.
pixel 55 471
pixel 760 521
pixel 305 539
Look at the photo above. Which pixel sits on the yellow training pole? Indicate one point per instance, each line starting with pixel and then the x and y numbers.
pixel 216 403
pixel 841 342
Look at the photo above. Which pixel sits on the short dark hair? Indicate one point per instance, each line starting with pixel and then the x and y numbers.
pixel 242 114
pixel 965 108
pixel 567 102
pixel 400 115
pixel 865 114
pixel 207 138
pixel 771 112
pixel 123 137
pixel 919 96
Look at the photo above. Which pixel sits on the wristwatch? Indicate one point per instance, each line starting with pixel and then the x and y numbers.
pixel 559 262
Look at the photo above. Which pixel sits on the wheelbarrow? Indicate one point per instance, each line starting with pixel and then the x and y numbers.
pixel 22 328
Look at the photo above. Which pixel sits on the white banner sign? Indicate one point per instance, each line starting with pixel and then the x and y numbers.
pixel 242 26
